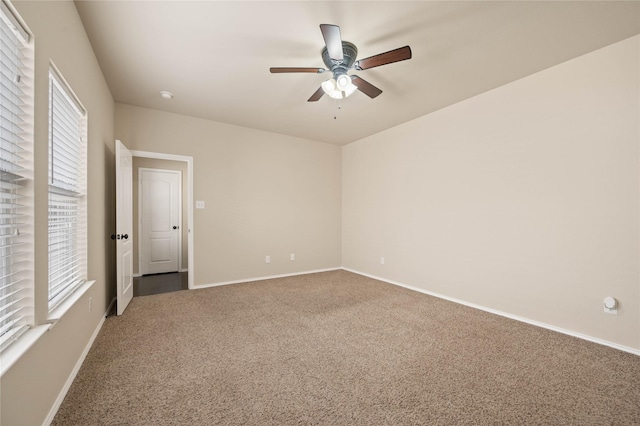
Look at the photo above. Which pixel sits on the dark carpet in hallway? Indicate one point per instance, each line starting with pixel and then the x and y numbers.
pixel 148 285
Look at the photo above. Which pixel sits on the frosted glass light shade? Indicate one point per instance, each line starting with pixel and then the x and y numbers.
pixel 340 88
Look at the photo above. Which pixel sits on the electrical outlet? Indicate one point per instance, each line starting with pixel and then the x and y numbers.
pixel 267 259
pixel 199 204
pixel 293 256
pixel 382 260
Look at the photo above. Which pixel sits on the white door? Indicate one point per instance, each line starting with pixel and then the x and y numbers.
pixel 124 226
pixel 160 219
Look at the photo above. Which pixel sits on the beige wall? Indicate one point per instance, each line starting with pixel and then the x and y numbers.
pixel 524 199
pixel 152 163
pixel 265 194
pixel 30 388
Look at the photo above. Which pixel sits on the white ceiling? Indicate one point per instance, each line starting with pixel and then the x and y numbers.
pixel 215 56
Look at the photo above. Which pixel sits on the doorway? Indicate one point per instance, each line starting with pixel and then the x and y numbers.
pixel 182 165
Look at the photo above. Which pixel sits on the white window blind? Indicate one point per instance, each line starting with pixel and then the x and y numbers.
pixel 67 192
pixel 16 178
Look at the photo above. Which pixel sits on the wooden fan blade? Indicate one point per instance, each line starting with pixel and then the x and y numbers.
pixel 365 87
pixel 277 70
pixel 333 41
pixel 396 55
pixel 317 95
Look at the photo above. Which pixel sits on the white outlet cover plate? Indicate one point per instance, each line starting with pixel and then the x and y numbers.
pixel 199 204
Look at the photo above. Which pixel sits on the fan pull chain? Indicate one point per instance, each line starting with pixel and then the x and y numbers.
pixel 335 117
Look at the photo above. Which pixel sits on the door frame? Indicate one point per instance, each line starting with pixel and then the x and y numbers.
pixel 140 216
pixel 190 227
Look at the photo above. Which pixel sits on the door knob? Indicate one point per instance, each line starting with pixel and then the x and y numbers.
pixel 113 236
pixel 175 227
pixel 125 236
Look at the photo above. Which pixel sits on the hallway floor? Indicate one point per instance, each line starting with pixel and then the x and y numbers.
pixel 147 285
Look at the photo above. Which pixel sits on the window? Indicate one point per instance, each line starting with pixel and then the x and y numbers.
pixel 67 191
pixel 16 178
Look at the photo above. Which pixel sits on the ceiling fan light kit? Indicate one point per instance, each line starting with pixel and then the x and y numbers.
pixel 340 56
pixel 340 87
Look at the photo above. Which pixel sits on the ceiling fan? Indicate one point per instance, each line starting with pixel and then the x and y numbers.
pixel 340 56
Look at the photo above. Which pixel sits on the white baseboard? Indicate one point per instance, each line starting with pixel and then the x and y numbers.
pixel 247 280
pixel 76 368
pixel 184 270
pixel 505 314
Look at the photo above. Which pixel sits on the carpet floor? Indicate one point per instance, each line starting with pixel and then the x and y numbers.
pixel 336 348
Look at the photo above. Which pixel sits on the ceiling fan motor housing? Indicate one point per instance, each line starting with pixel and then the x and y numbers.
pixel 349 51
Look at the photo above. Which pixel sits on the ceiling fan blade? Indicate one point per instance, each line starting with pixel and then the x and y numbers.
pixel 317 95
pixel 333 40
pixel 277 70
pixel 396 55
pixel 365 87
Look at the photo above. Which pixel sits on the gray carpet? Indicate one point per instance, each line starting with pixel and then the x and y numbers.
pixel 337 348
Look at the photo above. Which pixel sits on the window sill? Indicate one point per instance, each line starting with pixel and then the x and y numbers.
pixel 66 304
pixel 13 352
pixel 10 355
